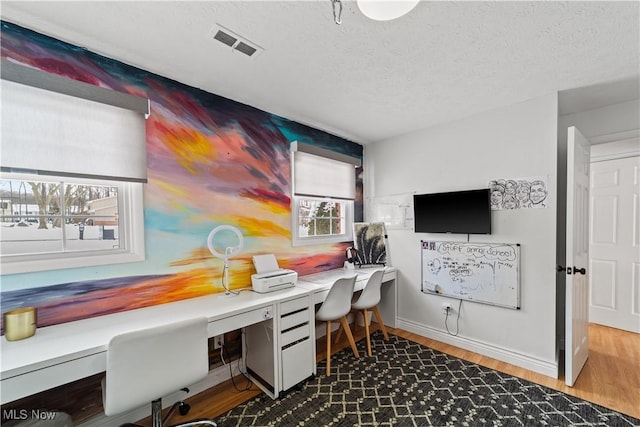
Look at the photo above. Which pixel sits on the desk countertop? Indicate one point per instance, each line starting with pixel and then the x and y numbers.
pixel 325 279
pixel 86 340
pixel 67 341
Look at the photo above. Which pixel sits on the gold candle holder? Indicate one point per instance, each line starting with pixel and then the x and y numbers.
pixel 20 323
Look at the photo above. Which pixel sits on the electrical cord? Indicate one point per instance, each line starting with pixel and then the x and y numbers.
pixel 249 384
pixel 446 325
pixel 224 362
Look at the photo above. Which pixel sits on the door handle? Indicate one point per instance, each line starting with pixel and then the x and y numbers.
pixel 579 270
pixel 560 269
pixel 569 270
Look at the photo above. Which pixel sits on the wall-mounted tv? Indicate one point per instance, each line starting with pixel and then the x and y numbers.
pixel 462 212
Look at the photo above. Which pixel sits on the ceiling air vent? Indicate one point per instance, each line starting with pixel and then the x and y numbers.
pixel 225 38
pixel 235 42
pixel 245 48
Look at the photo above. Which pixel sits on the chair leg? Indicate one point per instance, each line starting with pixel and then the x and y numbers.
pixel 381 323
pixel 347 330
pixel 365 314
pixel 328 347
pixel 338 335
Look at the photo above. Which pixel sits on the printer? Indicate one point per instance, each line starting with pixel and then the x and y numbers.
pixel 273 280
pixel 269 276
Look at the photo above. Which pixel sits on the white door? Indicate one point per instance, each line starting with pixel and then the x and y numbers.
pixel 614 273
pixel 577 244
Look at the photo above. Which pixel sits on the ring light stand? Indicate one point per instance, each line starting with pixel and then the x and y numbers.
pixel 229 252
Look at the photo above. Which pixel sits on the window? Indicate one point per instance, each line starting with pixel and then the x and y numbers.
pixel 323 219
pixel 323 193
pixel 48 223
pixel 73 164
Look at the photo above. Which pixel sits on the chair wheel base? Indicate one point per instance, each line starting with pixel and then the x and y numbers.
pixel 183 408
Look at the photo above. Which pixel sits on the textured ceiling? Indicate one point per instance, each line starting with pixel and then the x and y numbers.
pixel 363 80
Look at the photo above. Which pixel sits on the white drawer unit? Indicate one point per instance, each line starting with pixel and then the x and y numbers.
pixel 297 359
pixel 293 357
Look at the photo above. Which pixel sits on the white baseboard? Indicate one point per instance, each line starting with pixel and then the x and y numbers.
pixel 543 367
pixel 215 377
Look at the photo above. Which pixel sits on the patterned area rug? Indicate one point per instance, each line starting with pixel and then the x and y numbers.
pixel 407 384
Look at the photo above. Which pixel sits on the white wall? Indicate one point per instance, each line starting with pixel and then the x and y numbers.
pixel 516 141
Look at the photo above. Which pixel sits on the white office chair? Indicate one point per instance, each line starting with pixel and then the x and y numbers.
pixel 336 307
pixel 144 365
pixel 368 300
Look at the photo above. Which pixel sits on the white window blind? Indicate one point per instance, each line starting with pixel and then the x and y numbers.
pixel 318 172
pixel 51 133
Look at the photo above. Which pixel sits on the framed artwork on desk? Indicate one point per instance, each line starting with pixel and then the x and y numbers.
pixel 369 242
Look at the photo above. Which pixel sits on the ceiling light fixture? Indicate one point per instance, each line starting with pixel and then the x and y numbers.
pixel 378 10
pixel 336 5
pixel 386 10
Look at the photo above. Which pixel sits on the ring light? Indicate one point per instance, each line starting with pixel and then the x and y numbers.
pixel 229 251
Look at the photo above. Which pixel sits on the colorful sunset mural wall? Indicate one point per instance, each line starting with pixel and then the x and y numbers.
pixel 211 161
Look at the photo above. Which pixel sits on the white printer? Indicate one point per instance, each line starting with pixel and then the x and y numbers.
pixel 269 276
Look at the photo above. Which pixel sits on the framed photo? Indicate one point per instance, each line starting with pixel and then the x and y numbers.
pixel 369 242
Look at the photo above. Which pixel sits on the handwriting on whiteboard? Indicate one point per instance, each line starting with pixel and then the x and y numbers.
pixel 497 252
pixel 482 272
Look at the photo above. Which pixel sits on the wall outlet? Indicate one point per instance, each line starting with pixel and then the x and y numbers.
pixel 447 308
pixel 218 341
pixel 266 314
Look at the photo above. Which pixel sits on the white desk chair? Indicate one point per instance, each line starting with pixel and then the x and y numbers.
pixel 369 300
pixel 144 365
pixel 336 306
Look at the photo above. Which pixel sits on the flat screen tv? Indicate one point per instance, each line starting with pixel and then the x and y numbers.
pixel 461 212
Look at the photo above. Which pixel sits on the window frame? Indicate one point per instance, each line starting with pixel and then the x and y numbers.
pixel 130 230
pixel 298 240
pixel 304 188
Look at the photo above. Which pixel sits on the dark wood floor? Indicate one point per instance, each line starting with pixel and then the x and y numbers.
pixel 610 378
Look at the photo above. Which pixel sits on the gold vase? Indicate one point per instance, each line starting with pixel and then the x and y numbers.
pixel 20 323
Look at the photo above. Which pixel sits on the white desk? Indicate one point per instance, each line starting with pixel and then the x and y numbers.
pixel 320 283
pixel 60 354
pixel 63 353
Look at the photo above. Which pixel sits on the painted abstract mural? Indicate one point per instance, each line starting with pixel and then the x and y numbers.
pixel 211 161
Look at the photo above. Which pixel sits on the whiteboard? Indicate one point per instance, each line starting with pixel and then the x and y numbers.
pixel 488 273
pixel 396 211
